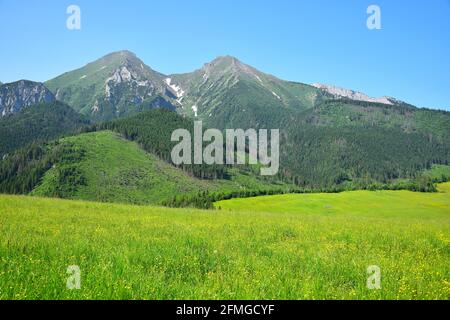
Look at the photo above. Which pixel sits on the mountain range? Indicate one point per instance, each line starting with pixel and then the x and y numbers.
pixel 120 84
pixel 330 136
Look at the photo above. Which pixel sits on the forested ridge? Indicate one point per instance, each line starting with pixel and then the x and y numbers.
pixel 152 130
pixel 23 170
pixel 43 122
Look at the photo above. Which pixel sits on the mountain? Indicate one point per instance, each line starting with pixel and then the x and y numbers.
pixel 335 144
pixel 45 121
pixel 117 85
pixel 329 138
pixel 222 91
pixel 21 94
pixel 338 92
pixel 227 92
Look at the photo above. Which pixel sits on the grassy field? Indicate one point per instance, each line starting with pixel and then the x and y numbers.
pixel 315 246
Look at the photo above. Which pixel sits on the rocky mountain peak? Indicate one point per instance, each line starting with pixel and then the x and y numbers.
pixel 339 92
pixel 119 83
pixel 122 56
pixel 21 94
pixel 228 64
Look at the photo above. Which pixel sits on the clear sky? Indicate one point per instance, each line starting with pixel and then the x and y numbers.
pixel 310 41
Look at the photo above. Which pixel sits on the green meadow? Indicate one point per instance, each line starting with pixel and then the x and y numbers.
pixel 302 246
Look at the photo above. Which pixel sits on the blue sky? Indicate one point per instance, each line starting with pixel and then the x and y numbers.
pixel 323 41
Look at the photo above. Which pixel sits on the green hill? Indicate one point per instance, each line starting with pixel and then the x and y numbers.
pixel 103 166
pixel 112 169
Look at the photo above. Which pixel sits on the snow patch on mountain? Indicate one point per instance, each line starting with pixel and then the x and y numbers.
pixel 195 109
pixel 278 97
pixel 259 79
pixel 95 108
pixel 176 89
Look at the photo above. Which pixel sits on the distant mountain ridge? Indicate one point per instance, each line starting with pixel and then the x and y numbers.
pixel 339 92
pixel 21 94
pixel 227 82
pixel 120 84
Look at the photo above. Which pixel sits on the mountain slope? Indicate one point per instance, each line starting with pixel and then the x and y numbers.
pixel 104 166
pixel 356 142
pixel 112 169
pixel 114 86
pixel 361 114
pixel 227 92
pixel 45 121
pixel 326 138
pixel 21 94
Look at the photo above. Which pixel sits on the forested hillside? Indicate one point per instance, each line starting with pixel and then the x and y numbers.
pixel 317 152
pixel 42 122
pixel 103 166
pixel 152 130
pixel 356 142
pixel 328 142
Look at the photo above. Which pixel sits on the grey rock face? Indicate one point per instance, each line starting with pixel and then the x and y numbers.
pixel 21 94
pixel 116 85
pixel 339 92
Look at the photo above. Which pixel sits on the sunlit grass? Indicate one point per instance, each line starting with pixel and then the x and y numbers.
pixel 314 246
